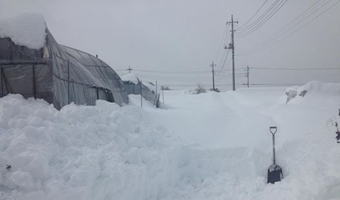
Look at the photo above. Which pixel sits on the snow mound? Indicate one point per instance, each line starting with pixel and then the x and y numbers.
pixel 26 30
pixel 314 90
pixel 319 87
pixel 81 152
pixel 130 77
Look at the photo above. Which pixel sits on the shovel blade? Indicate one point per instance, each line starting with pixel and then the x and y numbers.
pixel 274 174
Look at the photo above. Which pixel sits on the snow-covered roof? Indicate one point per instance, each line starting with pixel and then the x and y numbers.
pixel 130 77
pixel 26 30
pixel 150 86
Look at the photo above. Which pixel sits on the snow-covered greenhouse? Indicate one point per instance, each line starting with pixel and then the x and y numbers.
pixel 33 64
pixel 133 85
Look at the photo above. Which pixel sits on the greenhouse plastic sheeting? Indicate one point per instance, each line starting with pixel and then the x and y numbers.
pixel 58 74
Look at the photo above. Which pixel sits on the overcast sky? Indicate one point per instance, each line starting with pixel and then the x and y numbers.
pixel 166 37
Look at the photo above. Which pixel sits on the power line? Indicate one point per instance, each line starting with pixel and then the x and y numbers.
pixel 185 77
pixel 262 21
pixel 223 40
pixel 293 24
pixel 304 24
pixel 273 9
pixel 298 69
pixel 171 71
pixel 225 55
pixel 253 15
pixel 224 62
pixel 278 84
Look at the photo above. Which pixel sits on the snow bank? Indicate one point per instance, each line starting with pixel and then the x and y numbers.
pixel 106 152
pixel 109 152
pixel 312 90
pixel 320 87
pixel 81 152
pixel 26 30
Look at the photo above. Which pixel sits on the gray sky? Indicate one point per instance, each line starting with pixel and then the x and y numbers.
pixel 170 36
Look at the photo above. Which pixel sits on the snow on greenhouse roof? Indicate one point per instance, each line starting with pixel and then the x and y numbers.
pixel 130 77
pixel 150 85
pixel 26 30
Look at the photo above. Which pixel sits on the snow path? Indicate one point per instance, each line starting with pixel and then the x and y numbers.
pixel 235 124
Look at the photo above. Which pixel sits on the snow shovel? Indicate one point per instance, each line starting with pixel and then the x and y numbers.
pixel 274 171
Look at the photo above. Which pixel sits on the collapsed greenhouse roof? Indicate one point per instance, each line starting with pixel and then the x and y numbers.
pixel 35 65
pixel 133 85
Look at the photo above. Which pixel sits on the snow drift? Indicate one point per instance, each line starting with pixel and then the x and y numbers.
pixel 81 152
pixel 109 152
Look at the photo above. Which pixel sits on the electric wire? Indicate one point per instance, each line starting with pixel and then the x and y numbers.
pixel 271 7
pixel 262 22
pixel 171 71
pixel 261 17
pixel 316 17
pixel 223 39
pixel 226 53
pixel 296 69
pixel 293 24
pixel 224 59
pixel 254 14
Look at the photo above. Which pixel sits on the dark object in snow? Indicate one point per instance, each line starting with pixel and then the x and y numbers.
pixel 274 171
pixel 303 93
pixel 8 167
pixel 339 112
pixel 337 137
pixel 274 174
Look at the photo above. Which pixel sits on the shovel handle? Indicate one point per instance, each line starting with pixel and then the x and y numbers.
pixel 273 129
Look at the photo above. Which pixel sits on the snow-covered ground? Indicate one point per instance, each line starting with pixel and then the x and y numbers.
pixel 207 146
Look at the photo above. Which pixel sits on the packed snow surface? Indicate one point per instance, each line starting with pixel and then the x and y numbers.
pixel 26 30
pixel 207 146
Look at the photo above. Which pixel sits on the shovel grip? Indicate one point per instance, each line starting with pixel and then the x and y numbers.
pixel 273 129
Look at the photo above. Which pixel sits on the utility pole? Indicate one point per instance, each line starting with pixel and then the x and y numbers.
pixel 213 74
pixel 141 93
pixel 232 47
pixel 163 93
pixel 129 69
pixel 248 76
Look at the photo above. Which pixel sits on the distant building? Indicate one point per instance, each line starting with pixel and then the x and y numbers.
pixel 33 64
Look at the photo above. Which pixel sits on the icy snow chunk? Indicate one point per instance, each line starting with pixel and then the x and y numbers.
pixel 26 30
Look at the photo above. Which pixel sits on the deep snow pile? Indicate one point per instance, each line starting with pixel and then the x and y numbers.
pixel 100 152
pixel 26 30
pixel 209 146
